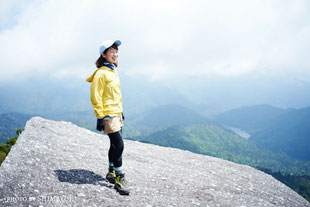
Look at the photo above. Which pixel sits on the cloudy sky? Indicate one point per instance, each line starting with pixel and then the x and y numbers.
pixel 164 40
pixel 160 38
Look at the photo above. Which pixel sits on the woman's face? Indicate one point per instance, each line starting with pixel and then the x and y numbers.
pixel 111 55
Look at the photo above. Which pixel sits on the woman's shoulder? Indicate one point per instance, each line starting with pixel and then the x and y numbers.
pixel 102 71
pixel 99 73
pixel 105 73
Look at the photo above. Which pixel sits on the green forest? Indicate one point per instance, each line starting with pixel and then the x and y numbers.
pixel 6 148
pixel 300 184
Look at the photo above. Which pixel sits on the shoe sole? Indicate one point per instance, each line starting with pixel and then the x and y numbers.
pixel 121 191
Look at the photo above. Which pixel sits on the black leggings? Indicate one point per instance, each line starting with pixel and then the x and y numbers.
pixel 116 148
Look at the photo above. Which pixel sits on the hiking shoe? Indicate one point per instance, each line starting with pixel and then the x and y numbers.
pixel 111 176
pixel 121 185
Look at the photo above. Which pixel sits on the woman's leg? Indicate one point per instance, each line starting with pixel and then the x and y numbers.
pixel 116 149
pixel 110 156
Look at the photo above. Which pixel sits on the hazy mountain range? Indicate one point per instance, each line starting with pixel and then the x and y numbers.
pixel 10 122
pixel 52 97
pixel 250 118
pixel 208 97
pixel 273 128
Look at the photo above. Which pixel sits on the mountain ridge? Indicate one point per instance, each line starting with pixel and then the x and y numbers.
pixel 288 129
pixel 249 118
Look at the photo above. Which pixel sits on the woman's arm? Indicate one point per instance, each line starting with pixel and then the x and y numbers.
pixel 96 94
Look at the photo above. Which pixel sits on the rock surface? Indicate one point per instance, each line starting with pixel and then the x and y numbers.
pixel 60 164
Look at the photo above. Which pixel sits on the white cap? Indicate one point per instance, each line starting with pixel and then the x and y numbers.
pixel 108 43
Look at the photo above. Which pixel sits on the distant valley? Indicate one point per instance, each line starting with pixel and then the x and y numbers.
pixel 283 131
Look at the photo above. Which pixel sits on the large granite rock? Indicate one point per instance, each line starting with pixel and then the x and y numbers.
pixel 60 164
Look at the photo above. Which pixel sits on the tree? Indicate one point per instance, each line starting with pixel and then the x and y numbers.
pixel 18 132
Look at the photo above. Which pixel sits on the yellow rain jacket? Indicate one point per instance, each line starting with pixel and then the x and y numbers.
pixel 105 92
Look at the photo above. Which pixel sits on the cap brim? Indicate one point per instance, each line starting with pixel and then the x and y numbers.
pixel 117 43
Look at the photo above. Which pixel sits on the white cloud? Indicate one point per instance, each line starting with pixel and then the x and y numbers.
pixel 161 39
pixel 155 72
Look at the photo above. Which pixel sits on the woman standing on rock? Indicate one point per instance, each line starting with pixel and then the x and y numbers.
pixel 106 100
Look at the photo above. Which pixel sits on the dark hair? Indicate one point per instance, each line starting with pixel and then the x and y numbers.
pixel 101 60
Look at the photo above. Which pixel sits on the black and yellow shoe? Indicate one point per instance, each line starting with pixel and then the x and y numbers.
pixel 121 185
pixel 111 177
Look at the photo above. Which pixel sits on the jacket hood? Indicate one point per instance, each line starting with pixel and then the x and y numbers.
pixel 90 78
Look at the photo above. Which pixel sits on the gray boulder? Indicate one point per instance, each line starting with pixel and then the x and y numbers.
pixel 60 164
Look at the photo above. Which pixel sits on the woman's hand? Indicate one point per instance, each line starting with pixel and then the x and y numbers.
pixel 100 124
